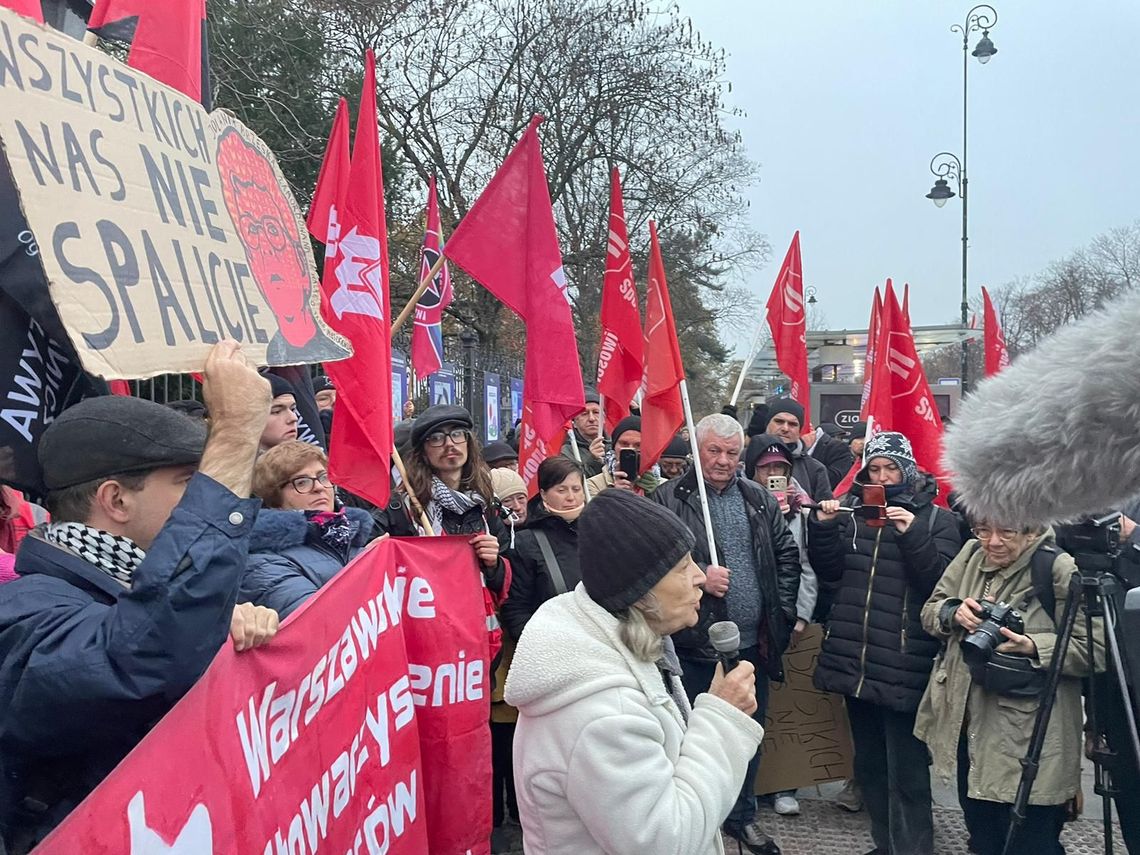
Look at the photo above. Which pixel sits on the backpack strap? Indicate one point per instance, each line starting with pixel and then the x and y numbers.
pixel 1041 575
pixel 552 566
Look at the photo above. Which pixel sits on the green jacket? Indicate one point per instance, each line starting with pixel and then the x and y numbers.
pixel 999 727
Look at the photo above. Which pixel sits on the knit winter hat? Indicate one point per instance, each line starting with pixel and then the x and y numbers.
pixel 506 483
pixel 627 424
pixel 786 405
pixel 279 386
pixel 626 545
pixel 896 448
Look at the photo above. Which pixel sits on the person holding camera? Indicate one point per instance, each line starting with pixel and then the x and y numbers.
pixel 995 610
pixel 886 545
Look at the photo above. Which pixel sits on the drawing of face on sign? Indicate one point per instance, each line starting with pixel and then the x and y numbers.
pixel 269 235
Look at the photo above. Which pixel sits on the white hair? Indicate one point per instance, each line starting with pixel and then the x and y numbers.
pixel 643 641
pixel 721 426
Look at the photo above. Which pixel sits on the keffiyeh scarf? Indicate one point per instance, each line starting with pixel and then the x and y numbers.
pixel 444 498
pixel 115 555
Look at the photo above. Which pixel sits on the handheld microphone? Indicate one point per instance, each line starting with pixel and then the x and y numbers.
pixel 725 639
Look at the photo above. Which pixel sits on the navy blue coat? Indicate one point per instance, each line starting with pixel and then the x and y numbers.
pixel 87 666
pixel 288 563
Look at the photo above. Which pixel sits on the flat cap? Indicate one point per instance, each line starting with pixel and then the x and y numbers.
pixel 436 417
pixel 112 435
pixel 495 451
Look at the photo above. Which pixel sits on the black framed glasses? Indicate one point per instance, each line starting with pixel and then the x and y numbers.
pixel 308 483
pixel 457 435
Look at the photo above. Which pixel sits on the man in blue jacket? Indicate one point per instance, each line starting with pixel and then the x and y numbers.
pixel 128 594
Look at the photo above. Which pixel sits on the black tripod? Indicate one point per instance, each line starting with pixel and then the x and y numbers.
pixel 1093 584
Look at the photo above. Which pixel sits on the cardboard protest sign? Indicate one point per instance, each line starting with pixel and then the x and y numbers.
pixel 807 739
pixel 161 228
pixel 327 739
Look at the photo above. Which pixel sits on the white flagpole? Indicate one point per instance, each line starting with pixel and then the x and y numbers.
pixel 713 559
pixel 753 350
pixel 578 457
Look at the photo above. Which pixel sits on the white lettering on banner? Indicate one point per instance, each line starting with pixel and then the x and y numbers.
pixel 793 300
pixel 559 278
pixel 606 352
pixel 195 838
pixel 40 387
pixel 269 727
pixel 899 363
pixel 924 409
pixel 462 680
pixel 359 273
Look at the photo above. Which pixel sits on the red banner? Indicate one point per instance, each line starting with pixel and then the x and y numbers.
pixel 427 334
pixel 362 727
pixel 997 355
pixel 872 341
pixel 662 410
pixel 787 318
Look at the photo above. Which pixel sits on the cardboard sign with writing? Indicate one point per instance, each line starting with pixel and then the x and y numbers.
pixel 807 739
pixel 161 228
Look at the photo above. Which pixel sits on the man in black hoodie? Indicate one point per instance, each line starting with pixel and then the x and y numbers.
pixel 786 420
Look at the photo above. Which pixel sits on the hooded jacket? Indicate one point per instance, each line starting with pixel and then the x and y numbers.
pixel 604 760
pixel 777 560
pixel 532 583
pixel 875 648
pixel 1000 727
pixel 288 562
pixel 811 474
pixel 833 454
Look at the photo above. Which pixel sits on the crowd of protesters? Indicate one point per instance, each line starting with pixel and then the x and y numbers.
pixel 613 723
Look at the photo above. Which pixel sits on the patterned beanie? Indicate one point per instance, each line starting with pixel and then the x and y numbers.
pixel 896 448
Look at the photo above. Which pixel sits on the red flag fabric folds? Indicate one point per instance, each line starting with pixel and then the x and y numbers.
pixel 508 243
pixel 427 334
pixel 621 347
pixel 788 322
pixel 355 301
pixel 662 412
pixel 997 355
pixel 873 327
pixel 165 38
pixel 28 8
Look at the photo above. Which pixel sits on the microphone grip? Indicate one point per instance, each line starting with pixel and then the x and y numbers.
pixel 729 660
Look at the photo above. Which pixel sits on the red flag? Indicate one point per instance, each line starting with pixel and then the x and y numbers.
pixel 508 243
pixel 788 322
pixel 662 413
pixel 621 347
pixel 355 303
pixel 119 387
pixel 28 8
pixel 165 38
pixel 332 186
pixel 532 450
pixel 997 356
pixel 873 328
pixel 427 334
pixel 901 399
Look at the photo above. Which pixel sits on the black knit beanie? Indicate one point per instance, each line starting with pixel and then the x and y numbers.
pixel 786 405
pixel 626 545
pixel 627 424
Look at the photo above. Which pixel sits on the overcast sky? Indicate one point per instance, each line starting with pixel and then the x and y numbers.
pixel 848 100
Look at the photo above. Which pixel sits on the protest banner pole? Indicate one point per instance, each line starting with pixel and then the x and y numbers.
pixel 713 559
pixel 577 452
pixel 398 462
pixel 753 349
pixel 419 292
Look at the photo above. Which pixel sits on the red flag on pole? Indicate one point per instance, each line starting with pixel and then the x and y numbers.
pixel 165 38
pixel 28 8
pixel 621 347
pixel 332 186
pixel 997 356
pixel 508 243
pixel 901 399
pixel 662 411
pixel 427 334
pixel 788 322
pixel 355 302
pixel 873 328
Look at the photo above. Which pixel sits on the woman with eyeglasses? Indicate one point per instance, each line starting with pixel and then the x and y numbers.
pixel 301 538
pixel 884 547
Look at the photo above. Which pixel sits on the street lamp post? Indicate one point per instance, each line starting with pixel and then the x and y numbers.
pixel 946 165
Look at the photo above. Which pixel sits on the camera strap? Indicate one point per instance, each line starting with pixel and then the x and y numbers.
pixel 1041 576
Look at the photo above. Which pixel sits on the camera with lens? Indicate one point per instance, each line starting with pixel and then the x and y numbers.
pixel 1095 535
pixel 978 647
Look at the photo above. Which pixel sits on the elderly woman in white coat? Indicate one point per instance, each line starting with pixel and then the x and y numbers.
pixel 609 756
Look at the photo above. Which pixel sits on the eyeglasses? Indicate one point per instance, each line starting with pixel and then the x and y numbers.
pixel 308 483
pixel 437 439
pixel 1006 535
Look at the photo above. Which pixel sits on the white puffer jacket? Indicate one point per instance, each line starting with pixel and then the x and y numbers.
pixel 604 762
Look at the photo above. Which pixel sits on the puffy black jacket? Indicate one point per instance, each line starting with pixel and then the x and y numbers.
pixel 777 557
pixel 531 581
pixel 875 648
pixel 834 455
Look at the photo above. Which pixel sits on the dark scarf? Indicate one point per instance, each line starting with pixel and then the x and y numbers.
pixel 115 555
pixel 333 528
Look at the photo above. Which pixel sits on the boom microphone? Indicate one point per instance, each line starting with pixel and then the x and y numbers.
pixel 725 639
pixel 1057 434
